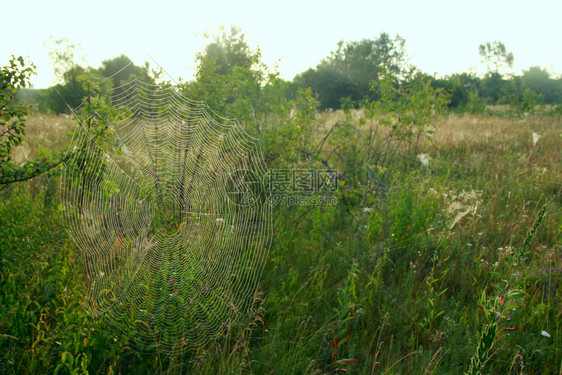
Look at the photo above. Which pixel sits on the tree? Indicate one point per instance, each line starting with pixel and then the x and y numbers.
pixel 522 99
pixel 329 84
pixel 462 87
pixel 491 87
pixel 12 116
pixel 69 75
pixel 495 56
pixel 539 81
pixel 350 70
pixel 235 84
pixel 63 56
pixel 230 50
pixel 230 78
pixel 121 69
pixel 61 98
pixel 363 59
pixel 14 77
pixel 69 94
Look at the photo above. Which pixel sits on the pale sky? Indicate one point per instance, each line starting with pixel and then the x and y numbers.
pixel 441 36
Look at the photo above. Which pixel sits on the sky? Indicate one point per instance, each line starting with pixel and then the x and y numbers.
pixel 441 36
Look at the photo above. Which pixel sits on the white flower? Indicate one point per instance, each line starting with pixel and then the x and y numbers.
pixel 545 334
pixel 366 209
pixel 424 159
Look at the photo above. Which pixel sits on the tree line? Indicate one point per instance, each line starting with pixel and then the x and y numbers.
pixel 371 74
pixel 350 74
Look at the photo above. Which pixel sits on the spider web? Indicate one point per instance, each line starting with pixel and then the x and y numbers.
pixel 171 218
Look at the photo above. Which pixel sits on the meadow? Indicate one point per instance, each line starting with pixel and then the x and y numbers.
pixel 452 264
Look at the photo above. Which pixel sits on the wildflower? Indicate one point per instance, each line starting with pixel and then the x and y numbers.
pixel 366 209
pixel 424 159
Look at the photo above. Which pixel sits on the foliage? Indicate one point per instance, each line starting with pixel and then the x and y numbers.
pixel 12 117
pixel 495 56
pixel 120 70
pixel 63 98
pixel 12 124
pixel 350 70
pixel 382 282
pixel 329 85
pixel 234 83
pixel 63 55
pixel 460 88
pixel 510 287
pixel 475 105
pixel 67 96
pixel 538 80
pixel 410 106
pixel 229 51
pixel 522 100
pixel 491 88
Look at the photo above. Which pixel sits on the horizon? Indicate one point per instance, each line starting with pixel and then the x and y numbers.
pixel 444 45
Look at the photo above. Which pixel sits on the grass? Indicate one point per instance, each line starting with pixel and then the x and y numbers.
pixel 44 132
pixel 378 286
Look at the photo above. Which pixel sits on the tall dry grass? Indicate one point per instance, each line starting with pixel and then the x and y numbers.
pixel 44 132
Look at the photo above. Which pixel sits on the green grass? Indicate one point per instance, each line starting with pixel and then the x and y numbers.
pixel 387 281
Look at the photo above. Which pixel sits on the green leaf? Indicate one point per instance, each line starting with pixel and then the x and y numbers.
pixel 499 275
